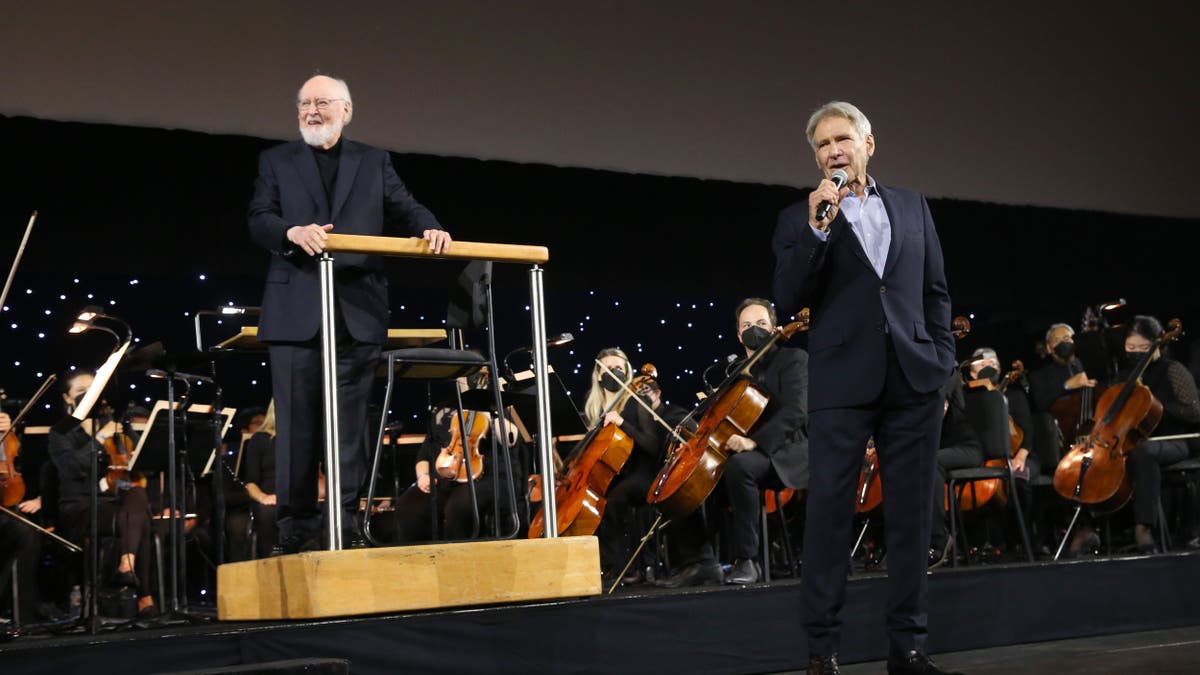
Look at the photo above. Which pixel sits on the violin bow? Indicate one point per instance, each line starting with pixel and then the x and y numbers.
pixel 20 251
pixel 642 403
pixel 28 406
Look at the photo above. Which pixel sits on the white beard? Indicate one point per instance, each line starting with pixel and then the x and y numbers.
pixel 320 135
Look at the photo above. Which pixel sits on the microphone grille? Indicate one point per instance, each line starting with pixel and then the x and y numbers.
pixel 839 177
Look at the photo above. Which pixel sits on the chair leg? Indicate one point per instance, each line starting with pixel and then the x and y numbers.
pixel 1016 503
pixel 387 401
pixel 764 540
pixel 1164 536
pixel 955 513
pixel 16 598
pixel 788 555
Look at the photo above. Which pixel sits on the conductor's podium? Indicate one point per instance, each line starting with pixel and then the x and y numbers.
pixel 402 578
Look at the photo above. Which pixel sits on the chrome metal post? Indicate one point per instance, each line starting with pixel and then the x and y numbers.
pixel 333 490
pixel 542 384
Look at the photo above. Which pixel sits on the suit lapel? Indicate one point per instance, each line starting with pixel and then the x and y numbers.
pixel 347 168
pixel 897 226
pixel 844 230
pixel 306 166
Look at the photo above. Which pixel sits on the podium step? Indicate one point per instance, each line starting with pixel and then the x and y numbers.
pixel 376 580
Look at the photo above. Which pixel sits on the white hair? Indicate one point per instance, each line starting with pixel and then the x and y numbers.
pixel 838 109
pixel 344 94
pixel 1070 331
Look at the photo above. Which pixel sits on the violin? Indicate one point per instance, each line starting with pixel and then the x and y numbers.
pixel 695 464
pixel 12 484
pixel 450 463
pixel 579 493
pixel 1093 472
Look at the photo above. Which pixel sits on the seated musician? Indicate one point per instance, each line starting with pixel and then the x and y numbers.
pixel 618 531
pixel 127 510
pixel 21 543
pixel 959 448
pixel 996 426
pixel 440 491
pixel 773 456
pixel 1061 377
pixel 1171 383
pixel 258 475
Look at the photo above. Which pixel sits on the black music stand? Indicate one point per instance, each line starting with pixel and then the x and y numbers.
pixel 164 443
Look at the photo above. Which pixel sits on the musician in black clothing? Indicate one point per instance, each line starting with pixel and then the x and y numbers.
pixel 773 456
pixel 258 475
pixel 415 509
pixel 1063 375
pixel 959 448
pixel 984 380
pixel 1171 383
pixel 617 531
pixel 123 512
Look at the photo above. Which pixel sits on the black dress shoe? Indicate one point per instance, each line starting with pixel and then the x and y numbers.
pixel 743 572
pixel 914 662
pixel 823 665
pixel 696 574
pixel 354 539
pixel 294 544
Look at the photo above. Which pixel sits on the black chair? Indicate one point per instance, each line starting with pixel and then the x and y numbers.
pixel 1182 474
pixel 988 413
pixel 470 308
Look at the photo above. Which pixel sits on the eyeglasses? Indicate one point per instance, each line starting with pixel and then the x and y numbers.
pixel 319 103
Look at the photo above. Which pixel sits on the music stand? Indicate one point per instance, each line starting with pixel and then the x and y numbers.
pixel 156 452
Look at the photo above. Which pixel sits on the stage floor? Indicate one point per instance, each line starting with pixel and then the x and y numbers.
pixel 755 629
pixel 1175 650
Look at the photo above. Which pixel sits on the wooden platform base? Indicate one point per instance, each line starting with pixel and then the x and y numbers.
pixel 374 580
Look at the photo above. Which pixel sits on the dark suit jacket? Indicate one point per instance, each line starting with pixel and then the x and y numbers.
pixel 369 199
pixel 782 429
pixel 850 304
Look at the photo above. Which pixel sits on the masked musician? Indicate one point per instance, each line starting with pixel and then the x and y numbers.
pixel 959 449
pixel 1171 383
pixel 74 453
pixel 617 531
pixel 773 456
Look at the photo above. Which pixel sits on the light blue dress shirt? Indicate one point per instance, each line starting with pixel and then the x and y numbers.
pixel 869 221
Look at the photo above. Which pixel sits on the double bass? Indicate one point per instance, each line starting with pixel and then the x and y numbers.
pixel 579 493
pixel 1093 472
pixel 696 460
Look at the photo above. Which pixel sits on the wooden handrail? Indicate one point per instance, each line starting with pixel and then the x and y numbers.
pixel 414 247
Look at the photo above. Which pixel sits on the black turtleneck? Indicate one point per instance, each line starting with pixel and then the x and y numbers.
pixel 327 164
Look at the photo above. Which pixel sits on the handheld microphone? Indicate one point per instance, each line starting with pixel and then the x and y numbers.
pixel 839 179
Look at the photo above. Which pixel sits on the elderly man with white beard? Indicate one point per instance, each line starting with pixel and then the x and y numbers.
pixel 304 190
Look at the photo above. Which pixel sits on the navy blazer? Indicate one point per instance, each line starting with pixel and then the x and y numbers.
pixel 852 307
pixel 369 198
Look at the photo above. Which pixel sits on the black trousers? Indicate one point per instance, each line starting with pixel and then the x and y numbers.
pixel 746 473
pixel 299 441
pixel 618 532
pixel 1147 460
pixel 23 544
pixel 127 517
pixel 906 426
pixel 948 459
pixel 415 509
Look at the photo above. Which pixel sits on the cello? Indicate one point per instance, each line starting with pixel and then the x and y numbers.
pixel 1093 472
pixel 695 464
pixel 579 493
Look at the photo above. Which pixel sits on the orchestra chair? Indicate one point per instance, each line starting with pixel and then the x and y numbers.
pixel 771 496
pixel 470 308
pixel 1183 473
pixel 987 412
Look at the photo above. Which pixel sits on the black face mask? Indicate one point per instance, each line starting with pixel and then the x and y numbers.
pixel 1064 350
pixel 755 337
pixel 1132 359
pixel 610 383
pixel 988 373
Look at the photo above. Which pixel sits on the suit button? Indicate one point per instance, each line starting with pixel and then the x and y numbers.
pixel 883 289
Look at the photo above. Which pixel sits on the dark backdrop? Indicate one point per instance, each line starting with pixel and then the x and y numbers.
pixel 154 220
